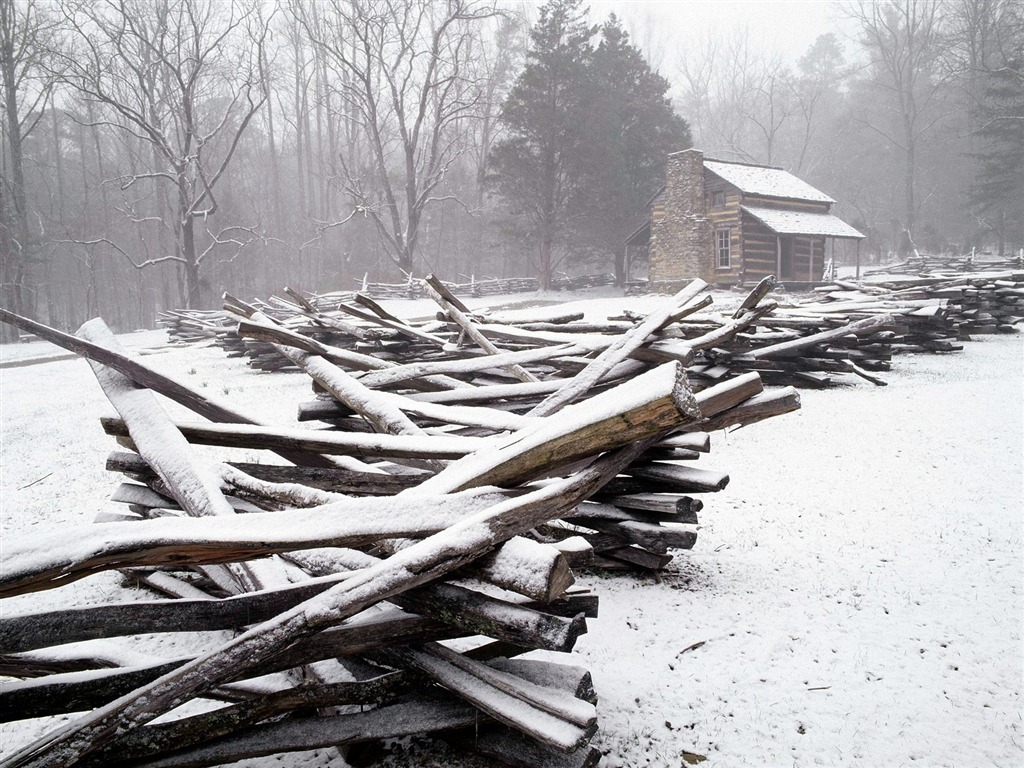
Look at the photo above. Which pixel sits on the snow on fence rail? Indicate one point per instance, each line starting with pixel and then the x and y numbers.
pixel 932 314
pixel 344 568
pixel 506 449
pixel 412 288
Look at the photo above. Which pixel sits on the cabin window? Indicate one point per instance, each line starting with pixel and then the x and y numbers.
pixel 723 243
pixel 718 199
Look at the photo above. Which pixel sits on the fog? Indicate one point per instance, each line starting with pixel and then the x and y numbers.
pixel 156 153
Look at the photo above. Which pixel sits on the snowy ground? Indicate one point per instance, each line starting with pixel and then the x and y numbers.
pixel 856 595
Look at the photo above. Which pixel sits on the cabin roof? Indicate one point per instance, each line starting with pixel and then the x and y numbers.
pixel 765 180
pixel 802 223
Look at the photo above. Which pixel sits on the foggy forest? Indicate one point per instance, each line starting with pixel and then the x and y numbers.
pixel 156 153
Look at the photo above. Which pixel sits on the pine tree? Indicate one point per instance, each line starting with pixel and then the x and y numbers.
pixel 998 193
pixel 630 130
pixel 537 168
pixel 589 131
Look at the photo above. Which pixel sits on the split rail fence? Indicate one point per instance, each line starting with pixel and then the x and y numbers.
pixel 384 576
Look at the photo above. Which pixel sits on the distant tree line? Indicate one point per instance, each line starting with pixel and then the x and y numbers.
pixel 158 152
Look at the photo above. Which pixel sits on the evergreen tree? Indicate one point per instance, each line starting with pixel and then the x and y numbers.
pixel 628 134
pixel 538 166
pixel 589 131
pixel 998 193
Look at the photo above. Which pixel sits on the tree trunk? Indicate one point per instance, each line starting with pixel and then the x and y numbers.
pixel 193 295
pixel 910 209
pixel 17 252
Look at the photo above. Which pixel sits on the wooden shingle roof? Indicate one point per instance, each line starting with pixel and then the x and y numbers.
pixel 802 223
pixel 766 181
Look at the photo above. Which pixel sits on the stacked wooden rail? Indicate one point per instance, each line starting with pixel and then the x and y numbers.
pixel 957 306
pixel 928 264
pixel 715 345
pixel 362 550
pixel 412 288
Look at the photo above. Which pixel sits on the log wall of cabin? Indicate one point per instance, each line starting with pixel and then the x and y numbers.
pixel 761 258
pixel 722 217
pixel 760 250
pixel 808 206
pixel 760 244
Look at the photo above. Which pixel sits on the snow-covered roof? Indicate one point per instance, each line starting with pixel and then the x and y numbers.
pixel 802 223
pixel 767 181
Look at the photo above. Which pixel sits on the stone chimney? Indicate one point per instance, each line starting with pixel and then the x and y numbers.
pixel 682 246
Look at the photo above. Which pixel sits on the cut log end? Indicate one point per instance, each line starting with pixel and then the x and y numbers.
pixel 683 396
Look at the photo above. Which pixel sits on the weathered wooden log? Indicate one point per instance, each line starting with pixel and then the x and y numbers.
pixel 411 567
pixel 191 483
pixel 520 565
pixel 146 377
pixel 642 508
pixel 658 453
pixel 275 334
pixel 338 480
pixel 205 728
pixel 490 419
pixel 652 537
pixel 129 493
pixel 399 327
pixel 380 412
pixel 186 732
pixel 39 630
pixel 650 404
pixel 44 561
pixel 188 481
pixel 469 610
pixel 691 479
pixel 694 441
pixel 563 677
pixel 675 507
pixel 435 290
pixel 303 308
pixel 728 331
pixel 758 408
pixel 475 612
pixel 73 692
pixel 511 748
pixel 795 347
pixel 422 713
pixel 335 480
pixel 404 374
pixel 762 289
pixel 617 352
pixel 558 719
pixel 365 301
pixel 368 445
pixel 504 567
pixel 629 557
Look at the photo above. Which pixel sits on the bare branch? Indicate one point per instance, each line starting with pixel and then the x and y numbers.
pixel 122 251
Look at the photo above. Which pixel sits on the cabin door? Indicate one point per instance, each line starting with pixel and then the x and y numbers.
pixel 786 248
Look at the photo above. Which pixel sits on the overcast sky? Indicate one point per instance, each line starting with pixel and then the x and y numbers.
pixel 787 27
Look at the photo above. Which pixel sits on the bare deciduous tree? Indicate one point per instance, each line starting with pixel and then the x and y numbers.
pixel 401 70
pixel 737 98
pixel 27 82
pixel 181 78
pixel 903 40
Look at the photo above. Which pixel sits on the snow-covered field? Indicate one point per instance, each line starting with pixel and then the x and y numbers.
pixel 856 595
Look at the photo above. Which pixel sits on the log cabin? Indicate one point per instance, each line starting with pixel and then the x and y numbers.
pixel 732 223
